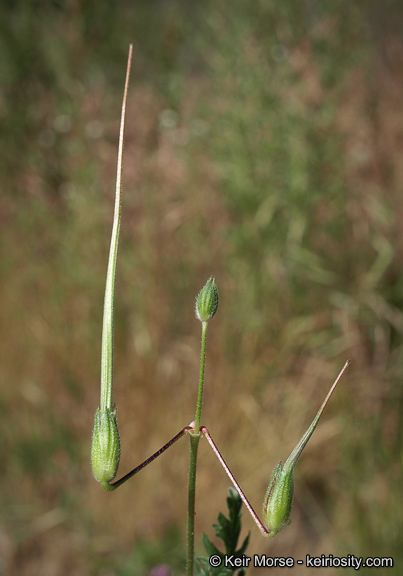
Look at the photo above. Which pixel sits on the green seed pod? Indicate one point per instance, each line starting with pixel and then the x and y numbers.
pixel 105 449
pixel 278 500
pixel 207 301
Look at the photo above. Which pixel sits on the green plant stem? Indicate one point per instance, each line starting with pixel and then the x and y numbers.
pixel 194 445
pixel 201 376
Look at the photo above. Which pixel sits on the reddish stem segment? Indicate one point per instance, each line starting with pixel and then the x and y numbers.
pixel 255 517
pixel 148 461
pixel 293 457
pixel 205 432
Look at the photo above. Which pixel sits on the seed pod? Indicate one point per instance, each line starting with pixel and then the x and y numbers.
pixel 105 449
pixel 207 301
pixel 277 503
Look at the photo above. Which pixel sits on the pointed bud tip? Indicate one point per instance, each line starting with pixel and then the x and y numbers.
pixel 207 301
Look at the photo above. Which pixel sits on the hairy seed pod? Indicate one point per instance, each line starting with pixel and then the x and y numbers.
pixel 278 499
pixel 105 449
pixel 277 503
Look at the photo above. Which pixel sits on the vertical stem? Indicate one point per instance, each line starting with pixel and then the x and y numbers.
pixel 108 318
pixel 194 445
pixel 201 376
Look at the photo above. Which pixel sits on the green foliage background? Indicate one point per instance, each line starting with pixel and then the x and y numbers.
pixel 264 146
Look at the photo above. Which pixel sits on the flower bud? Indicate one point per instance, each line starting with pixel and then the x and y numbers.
pixel 207 301
pixel 278 500
pixel 105 449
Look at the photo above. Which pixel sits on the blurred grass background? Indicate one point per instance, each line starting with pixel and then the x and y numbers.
pixel 265 146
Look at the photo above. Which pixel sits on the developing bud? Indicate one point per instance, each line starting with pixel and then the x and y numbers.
pixel 207 301
pixel 105 449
